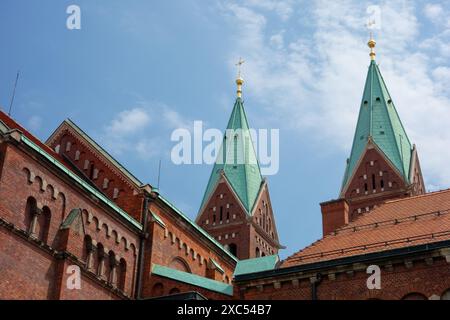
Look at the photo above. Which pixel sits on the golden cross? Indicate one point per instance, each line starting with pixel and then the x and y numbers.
pixel 239 64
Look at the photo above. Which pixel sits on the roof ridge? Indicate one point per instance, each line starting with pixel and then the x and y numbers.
pixel 418 196
pixel 377 224
pixel 372 244
pixel 103 151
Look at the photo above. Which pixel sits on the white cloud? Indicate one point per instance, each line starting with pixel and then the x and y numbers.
pixel 143 130
pixel 129 121
pixel 433 11
pixel 174 120
pixel 316 78
pixel 277 40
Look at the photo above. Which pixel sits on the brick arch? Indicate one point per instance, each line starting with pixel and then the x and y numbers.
pixel 105 228
pixel 115 235
pixel 133 248
pixel 414 296
pixel 123 242
pixel 96 222
pixel 179 263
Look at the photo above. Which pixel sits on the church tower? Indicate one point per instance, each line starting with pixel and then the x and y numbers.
pixel 236 208
pixel 383 164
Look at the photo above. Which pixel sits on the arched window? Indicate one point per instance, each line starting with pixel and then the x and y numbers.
pixel 414 296
pixel 180 264
pixel 122 274
pixel 174 291
pixel 112 272
pixel 91 171
pixel 30 211
pixel 257 253
pixel 233 249
pixel 43 224
pixel 158 290
pixel 100 260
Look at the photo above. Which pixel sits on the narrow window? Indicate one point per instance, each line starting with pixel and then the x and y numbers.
pixel 373 182
pixel 228 215
pixel 365 187
pixel 214 218
pixel 382 183
pixel 221 213
pixel 91 171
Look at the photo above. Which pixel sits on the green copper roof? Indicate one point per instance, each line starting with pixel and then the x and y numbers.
pixel 70 218
pixel 237 159
pixel 193 279
pixel 379 120
pixel 256 265
pixel 81 182
pixel 217 265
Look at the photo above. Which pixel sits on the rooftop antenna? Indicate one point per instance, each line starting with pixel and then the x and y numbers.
pixel 159 172
pixel 13 94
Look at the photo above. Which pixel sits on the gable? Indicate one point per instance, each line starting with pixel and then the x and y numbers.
pixel 263 205
pixel 223 196
pixel 374 173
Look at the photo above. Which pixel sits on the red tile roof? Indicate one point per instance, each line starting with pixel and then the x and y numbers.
pixel 395 224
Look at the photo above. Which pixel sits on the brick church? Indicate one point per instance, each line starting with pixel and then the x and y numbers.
pixel 76 224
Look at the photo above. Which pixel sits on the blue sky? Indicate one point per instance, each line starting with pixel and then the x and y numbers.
pixel 137 70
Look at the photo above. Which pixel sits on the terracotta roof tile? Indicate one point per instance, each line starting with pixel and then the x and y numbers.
pixel 395 224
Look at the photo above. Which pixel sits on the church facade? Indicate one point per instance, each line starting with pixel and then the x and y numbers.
pixel 76 224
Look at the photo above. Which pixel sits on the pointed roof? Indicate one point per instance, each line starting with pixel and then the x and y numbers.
pixel 237 161
pixel 379 123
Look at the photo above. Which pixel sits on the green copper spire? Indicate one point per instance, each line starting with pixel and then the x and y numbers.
pixel 237 159
pixel 379 122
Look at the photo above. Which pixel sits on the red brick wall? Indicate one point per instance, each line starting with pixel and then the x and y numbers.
pixel 129 198
pixel 395 284
pixel 233 220
pixel 335 214
pixel 51 191
pixel 248 233
pixel 371 165
pixel 163 248
pixel 26 271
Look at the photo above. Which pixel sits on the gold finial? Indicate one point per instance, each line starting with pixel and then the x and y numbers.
pixel 371 45
pixel 239 80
